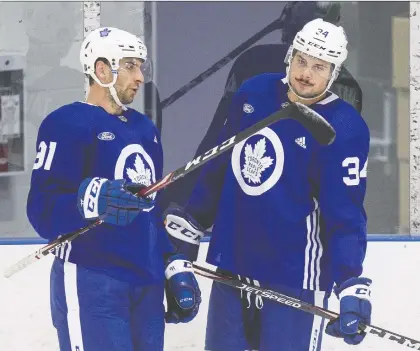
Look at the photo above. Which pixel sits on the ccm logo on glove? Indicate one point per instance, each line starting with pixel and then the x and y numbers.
pixel 109 201
pixel 90 202
pixel 179 228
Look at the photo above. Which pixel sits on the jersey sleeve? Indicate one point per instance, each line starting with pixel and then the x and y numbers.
pixel 342 187
pixel 59 168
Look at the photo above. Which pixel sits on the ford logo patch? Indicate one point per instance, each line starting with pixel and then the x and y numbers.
pixel 106 136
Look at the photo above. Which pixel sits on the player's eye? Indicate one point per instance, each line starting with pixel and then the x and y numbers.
pixel 301 61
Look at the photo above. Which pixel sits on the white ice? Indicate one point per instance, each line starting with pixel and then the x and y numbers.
pixel 393 266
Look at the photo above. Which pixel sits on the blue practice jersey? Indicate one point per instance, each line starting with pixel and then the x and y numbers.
pixel 80 140
pixel 286 210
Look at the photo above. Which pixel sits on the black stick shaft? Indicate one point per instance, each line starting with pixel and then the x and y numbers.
pixel 219 64
pixel 302 306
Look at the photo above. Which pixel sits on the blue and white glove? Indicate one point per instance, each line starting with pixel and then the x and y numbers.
pixel 183 295
pixel 184 231
pixel 100 198
pixel 355 307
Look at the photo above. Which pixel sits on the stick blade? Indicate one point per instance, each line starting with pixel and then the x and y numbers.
pixel 321 130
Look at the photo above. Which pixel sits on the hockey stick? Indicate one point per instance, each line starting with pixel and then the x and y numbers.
pixel 312 121
pixel 301 305
pixel 277 24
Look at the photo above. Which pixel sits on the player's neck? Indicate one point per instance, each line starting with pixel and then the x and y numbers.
pixel 294 98
pixel 101 97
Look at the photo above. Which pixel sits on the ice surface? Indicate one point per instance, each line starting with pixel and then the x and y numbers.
pixel 393 266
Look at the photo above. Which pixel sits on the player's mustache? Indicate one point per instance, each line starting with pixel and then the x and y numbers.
pixel 304 81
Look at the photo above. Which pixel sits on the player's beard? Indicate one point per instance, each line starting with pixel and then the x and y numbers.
pixel 125 96
pixel 308 95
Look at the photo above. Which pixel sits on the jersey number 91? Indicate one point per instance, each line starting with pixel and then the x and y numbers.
pixel 45 155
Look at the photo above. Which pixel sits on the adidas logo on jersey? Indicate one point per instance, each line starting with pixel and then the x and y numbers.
pixel 155 139
pixel 301 142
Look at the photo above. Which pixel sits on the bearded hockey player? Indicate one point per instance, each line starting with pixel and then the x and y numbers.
pixel 267 58
pixel 288 213
pixel 107 286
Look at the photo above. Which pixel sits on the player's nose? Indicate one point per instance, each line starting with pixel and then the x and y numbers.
pixel 139 77
pixel 307 72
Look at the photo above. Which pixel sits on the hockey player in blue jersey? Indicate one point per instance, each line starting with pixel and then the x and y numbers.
pixel 288 213
pixel 107 286
pixel 267 58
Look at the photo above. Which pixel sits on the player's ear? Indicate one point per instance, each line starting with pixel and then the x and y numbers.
pixel 102 70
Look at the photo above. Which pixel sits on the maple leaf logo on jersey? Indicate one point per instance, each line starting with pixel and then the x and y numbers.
pixel 255 161
pixel 141 174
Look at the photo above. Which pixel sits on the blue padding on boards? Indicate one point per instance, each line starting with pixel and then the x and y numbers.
pixel 23 241
pixel 371 237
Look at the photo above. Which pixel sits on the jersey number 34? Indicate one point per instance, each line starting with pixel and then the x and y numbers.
pixel 355 174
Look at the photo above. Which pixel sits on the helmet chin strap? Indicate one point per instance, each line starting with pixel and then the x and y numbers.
pixel 111 88
pixel 115 97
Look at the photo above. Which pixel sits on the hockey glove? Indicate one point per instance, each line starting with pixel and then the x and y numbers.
pixel 354 296
pixel 109 201
pixel 183 295
pixel 184 232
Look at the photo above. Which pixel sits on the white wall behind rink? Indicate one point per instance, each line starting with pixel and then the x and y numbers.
pixel 393 266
